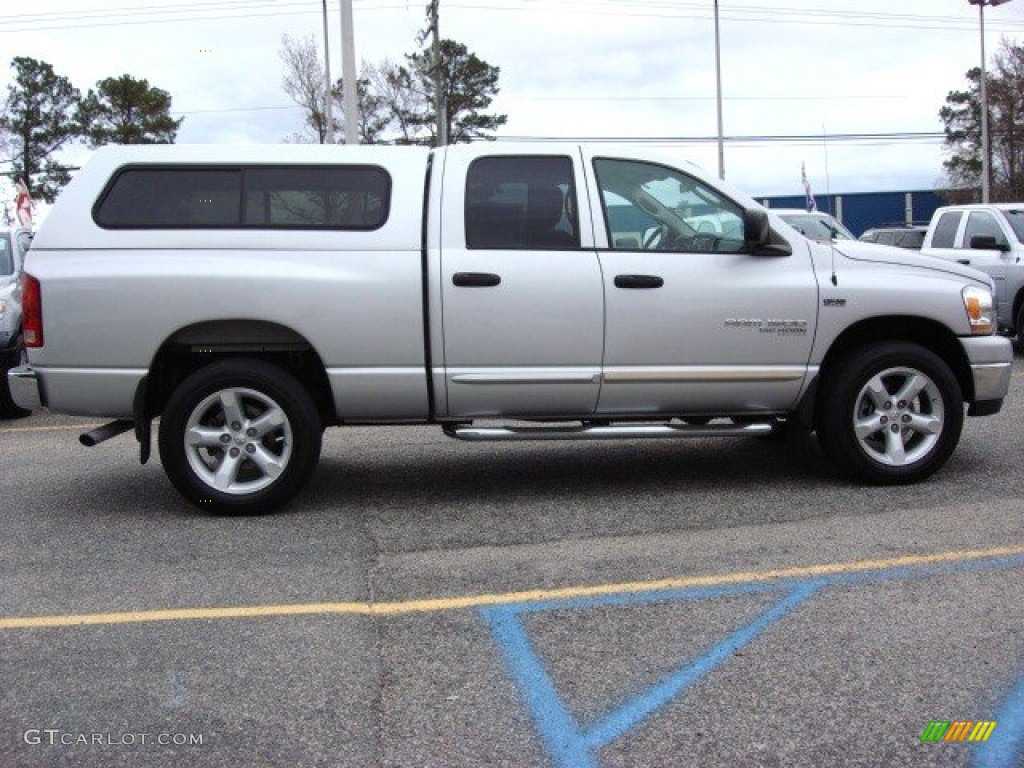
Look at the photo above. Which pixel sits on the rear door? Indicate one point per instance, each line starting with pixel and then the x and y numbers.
pixel 520 284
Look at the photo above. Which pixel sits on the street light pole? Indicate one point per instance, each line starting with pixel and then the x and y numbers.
pixel 440 103
pixel 718 99
pixel 349 79
pixel 986 170
pixel 329 133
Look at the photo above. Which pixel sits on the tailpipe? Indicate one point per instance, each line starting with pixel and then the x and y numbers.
pixel 107 431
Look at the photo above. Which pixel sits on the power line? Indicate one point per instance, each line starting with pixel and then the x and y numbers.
pixel 877 139
pixel 232 109
pixel 229 9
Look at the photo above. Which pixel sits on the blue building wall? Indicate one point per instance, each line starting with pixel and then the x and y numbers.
pixel 863 210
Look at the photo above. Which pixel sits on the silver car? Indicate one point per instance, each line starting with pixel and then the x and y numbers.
pixel 13 244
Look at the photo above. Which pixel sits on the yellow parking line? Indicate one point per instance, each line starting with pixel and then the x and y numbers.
pixel 502 598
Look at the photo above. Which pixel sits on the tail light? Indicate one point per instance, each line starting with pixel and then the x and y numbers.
pixel 31 311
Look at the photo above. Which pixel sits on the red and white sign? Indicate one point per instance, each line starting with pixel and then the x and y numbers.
pixel 23 204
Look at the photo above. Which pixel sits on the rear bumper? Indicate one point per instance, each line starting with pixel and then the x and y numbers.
pixel 79 391
pixel 26 389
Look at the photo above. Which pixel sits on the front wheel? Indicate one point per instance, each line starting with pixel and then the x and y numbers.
pixel 890 413
pixel 239 437
pixel 1020 328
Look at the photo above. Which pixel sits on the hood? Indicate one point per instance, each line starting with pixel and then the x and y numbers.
pixel 887 254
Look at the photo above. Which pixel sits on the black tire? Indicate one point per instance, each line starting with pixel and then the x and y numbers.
pixel 261 437
pixel 863 388
pixel 1019 328
pixel 8 408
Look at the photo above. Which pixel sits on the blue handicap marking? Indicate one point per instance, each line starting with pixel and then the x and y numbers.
pixel 1005 748
pixel 572 745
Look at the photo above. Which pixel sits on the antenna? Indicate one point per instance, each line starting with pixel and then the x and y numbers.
pixel 828 198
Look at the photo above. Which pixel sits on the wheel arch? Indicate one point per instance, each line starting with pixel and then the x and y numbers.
pixel 1018 304
pixel 195 346
pixel 931 335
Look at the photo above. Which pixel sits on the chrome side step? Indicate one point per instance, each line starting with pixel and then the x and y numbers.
pixel 605 432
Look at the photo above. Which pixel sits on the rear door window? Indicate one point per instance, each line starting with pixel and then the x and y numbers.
pixel 945 230
pixel 522 203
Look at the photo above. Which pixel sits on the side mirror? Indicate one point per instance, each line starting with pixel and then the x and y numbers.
pixel 758 237
pixel 987 243
pixel 757 231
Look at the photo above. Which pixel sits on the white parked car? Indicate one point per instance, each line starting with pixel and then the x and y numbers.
pixel 818 226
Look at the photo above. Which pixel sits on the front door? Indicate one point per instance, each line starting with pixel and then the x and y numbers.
pixel 992 262
pixel 693 323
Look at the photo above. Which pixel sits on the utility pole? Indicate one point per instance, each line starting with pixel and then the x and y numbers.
pixel 718 98
pixel 440 105
pixel 986 152
pixel 349 78
pixel 329 133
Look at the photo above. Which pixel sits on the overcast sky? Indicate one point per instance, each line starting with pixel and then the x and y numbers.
pixel 574 68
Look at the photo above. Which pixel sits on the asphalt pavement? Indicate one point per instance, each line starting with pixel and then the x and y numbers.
pixel 427 602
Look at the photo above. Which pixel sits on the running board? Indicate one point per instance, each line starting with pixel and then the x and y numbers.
pixel 605 432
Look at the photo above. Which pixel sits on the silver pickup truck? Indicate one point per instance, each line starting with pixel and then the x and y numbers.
pixel 990 238
pixel 252 296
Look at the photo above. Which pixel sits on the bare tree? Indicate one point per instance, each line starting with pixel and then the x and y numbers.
pixel 396 103
pixel 391 103
pixel 304 83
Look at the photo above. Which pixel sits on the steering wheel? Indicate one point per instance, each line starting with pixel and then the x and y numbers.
pixel 655 237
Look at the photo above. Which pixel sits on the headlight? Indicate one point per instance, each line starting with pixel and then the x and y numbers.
pixel 3 309
pixel 980 312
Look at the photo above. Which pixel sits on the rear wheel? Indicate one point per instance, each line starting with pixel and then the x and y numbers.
pixel 239 437
pixel 890 413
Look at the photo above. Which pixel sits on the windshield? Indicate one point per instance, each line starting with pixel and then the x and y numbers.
pixel 1016 219
pixel 6 255
pixel 817 226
